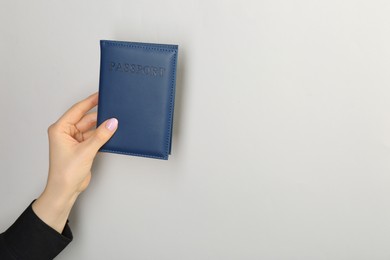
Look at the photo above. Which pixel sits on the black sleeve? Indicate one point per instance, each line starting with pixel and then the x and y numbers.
pixel 31 238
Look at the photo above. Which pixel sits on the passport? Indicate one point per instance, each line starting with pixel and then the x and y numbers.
pixel 137 86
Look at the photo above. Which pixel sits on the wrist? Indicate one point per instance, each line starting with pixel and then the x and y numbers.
pixel 54 208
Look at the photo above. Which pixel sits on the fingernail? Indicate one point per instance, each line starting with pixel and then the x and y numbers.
pixel 112 124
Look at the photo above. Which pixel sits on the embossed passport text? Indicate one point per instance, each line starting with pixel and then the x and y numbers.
pixel 137 86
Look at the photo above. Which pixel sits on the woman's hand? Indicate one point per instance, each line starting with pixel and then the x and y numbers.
pixel 73 144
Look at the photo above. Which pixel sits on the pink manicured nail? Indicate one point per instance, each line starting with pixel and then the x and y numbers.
pixel 112 124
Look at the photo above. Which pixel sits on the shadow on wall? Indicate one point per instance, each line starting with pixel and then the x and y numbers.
pixel 179 99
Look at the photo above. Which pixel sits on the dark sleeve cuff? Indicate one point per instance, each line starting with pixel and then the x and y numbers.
pixel 31 238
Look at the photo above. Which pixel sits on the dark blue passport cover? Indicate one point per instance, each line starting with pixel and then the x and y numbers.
pixel 137 86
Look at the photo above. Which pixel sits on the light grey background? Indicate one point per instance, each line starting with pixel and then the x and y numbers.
pixel 281 137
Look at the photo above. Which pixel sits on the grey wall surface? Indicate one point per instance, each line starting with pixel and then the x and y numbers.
pixel 281 139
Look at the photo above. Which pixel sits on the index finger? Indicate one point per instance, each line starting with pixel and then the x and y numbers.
pixel 78 110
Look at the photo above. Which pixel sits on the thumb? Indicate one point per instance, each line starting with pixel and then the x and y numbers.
pixel 102 134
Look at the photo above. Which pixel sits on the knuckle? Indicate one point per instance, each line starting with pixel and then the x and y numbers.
pixel 76 108
pixel 77 104
pixel 100 137
pixel 52 128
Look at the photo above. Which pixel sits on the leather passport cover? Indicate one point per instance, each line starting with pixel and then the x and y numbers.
pixel 137 86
